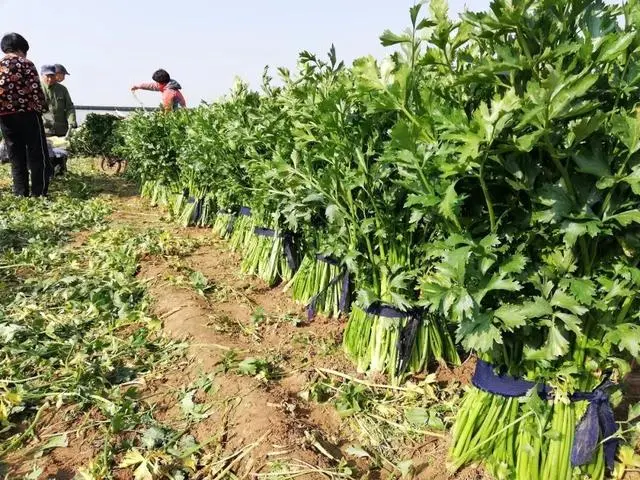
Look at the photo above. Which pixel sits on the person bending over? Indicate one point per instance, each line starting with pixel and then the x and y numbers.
pixel 172 98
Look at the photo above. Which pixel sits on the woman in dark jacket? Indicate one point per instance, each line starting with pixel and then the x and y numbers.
pixel 22 103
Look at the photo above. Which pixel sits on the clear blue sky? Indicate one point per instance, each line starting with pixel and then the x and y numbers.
pixel 109 45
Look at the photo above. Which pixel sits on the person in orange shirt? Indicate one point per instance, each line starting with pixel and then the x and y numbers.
pixel 172 98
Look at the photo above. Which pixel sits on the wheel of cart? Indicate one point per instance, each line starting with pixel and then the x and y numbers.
pixel 113 165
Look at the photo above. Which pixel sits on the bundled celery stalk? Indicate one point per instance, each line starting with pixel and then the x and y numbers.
pixel 537 438
pixel 161 195
pixel 192 209
pixel 242 234
pixel 151 144
pixel 157 193
pixel 346 173
pixel 206 215
pixel 193 212
pixel 223 223
pixel 266 257
pixel 179 202
pixel 322 285
pixel 389 333
pixel 146 190
pixel 396 342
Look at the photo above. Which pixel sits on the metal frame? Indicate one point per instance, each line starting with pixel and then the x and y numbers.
pixel 103 108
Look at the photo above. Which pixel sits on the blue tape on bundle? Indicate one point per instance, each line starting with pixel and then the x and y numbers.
pixel 387 311
pixel 264 232
pixel 407 336
pixel 327 259
pixel 197 211
pixel 288 245
pixel 230 224
pixel 597 423
pixel 486 379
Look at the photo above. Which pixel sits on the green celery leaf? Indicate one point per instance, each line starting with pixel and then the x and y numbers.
pixel 511 316
pixel 557 199
pixel 486 263
pixel 571 322
pixel 555 346
pixel 563 300
pixel 497 282
pixel 490 241
pixel 633 179
pixel 461 307
pixel 332 213
pixel 627 129
pixel 516 315
pixel 439 10
pixel 479 333
pixel 626 337
pixel 539 307
pixel 388 38
pixel 584 128
pixel 515 264
pixel 627 218
pixel 366 70
pixel 569 90
pixel 563 261
pixel 614 45
pixel 449 204
pixel 416 216
pixel 592 162
pixel 573 230
pixel 583 289
pixel 525 143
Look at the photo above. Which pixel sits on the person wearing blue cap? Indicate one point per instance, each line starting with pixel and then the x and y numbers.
pixel 62 113
pixel 61 72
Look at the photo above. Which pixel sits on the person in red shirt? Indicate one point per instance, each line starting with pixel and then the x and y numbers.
pixel 172 98
pixel 22 103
